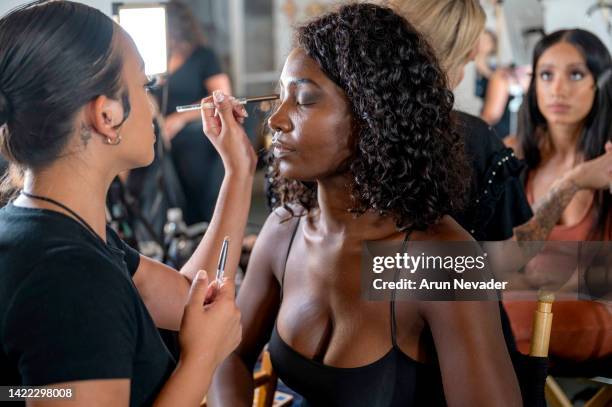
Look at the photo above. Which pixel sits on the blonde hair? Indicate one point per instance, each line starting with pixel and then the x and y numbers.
pixel 452 28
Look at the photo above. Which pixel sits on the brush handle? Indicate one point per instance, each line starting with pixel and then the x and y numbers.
pixel 189 108
pixel 241 101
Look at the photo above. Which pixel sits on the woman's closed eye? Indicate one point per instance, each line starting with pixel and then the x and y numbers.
pixel 305 100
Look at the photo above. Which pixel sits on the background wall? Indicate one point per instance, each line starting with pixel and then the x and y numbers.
pixel 573 14
pixel 253 37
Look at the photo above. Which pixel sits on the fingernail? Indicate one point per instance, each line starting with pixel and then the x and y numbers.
pixel 218 96
pixel 246 114
pixel 201 275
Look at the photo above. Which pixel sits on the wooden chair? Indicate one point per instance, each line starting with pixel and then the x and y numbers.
pixel 542 324
pixel 265 381
pixel 540 340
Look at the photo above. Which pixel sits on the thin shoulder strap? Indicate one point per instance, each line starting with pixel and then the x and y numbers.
pixel 282 280
pixel 392 303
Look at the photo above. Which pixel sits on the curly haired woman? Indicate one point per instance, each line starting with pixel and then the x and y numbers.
pixel 362 128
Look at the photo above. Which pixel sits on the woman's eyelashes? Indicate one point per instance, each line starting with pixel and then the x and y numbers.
pixel 297 98
pixel 545 75
pixel 574 75
pixel 299 101
pixel 304 103
pixel 577 75
pixel 305 99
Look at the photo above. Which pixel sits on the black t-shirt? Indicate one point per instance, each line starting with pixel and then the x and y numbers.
pixel 186 84
pixel 497 201
pixel 69 309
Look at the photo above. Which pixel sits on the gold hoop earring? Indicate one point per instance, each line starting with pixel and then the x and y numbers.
pixel 114 142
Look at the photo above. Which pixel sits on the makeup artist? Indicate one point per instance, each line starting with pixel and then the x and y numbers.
pixel 78 307
pixel 194 72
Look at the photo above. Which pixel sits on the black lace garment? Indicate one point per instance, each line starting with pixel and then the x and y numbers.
pixel 497 201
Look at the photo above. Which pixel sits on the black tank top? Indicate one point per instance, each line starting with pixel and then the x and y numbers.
pixel 394 380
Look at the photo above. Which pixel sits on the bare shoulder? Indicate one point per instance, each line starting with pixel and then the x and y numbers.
pixel 280 224
pixel 275 237
pixel 448 230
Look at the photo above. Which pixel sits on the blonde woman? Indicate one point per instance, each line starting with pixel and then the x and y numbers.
pixel 452 28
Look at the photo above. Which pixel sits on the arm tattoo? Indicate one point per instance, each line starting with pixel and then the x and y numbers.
pixel 546 214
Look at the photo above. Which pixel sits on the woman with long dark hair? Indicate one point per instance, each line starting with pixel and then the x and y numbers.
pixel 194 69
pixel 78 307
pixel 363 136
pixel 566 121
pixel 564 125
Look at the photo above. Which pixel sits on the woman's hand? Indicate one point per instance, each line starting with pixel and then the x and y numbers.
pixel 210 328
pixel 595 173
pixel 223 128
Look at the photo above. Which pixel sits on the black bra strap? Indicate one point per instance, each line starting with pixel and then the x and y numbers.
pixel 392 303
pixel 282 280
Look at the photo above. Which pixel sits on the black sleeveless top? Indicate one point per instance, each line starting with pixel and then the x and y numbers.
pixel 394 380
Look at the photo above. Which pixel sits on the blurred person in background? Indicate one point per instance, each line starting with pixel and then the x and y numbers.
pixel 485 61
pixel 502 87
pixel 503 96
pixel 497 86
pixel 194 72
